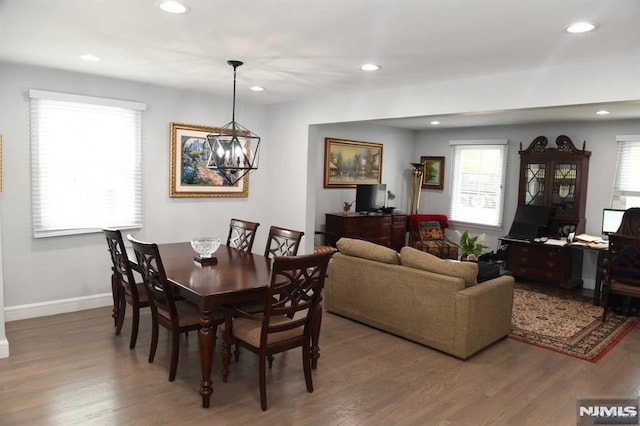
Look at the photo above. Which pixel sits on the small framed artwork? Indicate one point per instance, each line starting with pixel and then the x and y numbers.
pixel 189 175
pixel 433 172
pixel 349 163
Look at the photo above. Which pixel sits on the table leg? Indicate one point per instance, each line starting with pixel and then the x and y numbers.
pixel 206 339
pixel 315 337
pixel 598 284
pixel 115 293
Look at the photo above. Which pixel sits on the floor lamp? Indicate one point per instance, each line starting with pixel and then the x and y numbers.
pixel 416 186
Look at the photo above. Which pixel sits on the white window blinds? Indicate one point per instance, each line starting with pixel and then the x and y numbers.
pixel 85 163
pixel 626 188
pixel 478 177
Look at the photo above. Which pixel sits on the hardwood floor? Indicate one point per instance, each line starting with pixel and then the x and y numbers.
pixel 71 369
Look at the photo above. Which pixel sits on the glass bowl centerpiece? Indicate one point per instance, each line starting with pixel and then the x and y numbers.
pixel 205 247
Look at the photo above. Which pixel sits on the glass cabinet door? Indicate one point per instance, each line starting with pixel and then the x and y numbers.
pixel 564 187
pixel 534 176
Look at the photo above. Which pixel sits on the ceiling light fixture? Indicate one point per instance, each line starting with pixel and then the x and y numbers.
pixel 233 151
pixel 369 67
pixel 90 58
pixel 257 88
pixel 434 122
pixel 173 6
pixel 580 27
pixel 603 112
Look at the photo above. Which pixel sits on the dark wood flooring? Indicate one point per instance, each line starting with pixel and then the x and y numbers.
pixel 71 369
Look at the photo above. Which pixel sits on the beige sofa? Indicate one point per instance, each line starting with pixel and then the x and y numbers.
pixel 418 296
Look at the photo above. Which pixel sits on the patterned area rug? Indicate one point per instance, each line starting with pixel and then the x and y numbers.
pixel 560 321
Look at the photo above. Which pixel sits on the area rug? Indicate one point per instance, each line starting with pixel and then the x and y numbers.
pixel 561 321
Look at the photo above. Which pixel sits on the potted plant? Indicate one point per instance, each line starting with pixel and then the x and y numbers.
pixel 471 247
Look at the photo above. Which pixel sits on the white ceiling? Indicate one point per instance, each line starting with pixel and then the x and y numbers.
pixel 300 49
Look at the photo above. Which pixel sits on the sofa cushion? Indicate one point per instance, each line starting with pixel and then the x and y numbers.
pixel 417 259
pixel 367 250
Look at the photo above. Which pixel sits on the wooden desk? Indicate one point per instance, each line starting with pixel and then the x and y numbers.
pixel 237 277
pixel 543 262
pixel 602 253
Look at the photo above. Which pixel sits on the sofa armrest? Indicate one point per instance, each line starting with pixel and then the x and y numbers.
pixel 483 314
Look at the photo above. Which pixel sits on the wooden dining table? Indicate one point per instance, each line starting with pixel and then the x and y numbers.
pixel 236 277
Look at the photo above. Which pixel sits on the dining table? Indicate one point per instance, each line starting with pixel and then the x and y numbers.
pixel 235 277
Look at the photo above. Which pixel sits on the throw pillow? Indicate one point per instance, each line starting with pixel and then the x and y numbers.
pixel 430 231
pixel 414 258
pixel 367 250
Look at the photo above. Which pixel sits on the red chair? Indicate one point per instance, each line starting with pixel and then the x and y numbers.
pixel 426 233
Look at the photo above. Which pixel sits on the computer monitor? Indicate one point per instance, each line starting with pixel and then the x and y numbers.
pixel 611 219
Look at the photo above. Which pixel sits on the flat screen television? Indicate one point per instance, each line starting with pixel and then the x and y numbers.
pixel 611 219
pixel 371 197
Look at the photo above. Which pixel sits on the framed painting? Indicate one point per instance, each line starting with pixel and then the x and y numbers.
pixel 349 163
pixel 433 172
pixel 189 175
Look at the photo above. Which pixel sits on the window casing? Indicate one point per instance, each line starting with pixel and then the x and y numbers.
pixel 86 168
pixel 478 180
pixel 626 187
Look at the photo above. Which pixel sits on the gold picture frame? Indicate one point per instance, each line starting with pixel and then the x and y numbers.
pixel 349 163
pixel 432 172
pixel 188 175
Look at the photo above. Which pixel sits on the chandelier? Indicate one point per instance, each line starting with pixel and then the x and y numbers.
pixel 233 149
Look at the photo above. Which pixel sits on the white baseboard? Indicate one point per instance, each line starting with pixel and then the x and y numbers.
pixel 35 310
pixel 4 348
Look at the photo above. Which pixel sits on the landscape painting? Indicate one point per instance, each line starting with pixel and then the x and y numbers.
pixel 189 175
pixel 349 163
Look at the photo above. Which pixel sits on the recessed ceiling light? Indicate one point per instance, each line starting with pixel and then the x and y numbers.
pixel 257 88
pixel 580 27
pixel 89 57
pixel 369 67
pixel 603 112
pixel 173 6
pixel 434 122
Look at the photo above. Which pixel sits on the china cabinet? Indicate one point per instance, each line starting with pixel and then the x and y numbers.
pixel 553 177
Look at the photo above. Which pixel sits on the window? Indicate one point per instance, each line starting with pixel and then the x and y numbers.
pixel 478 176
pixel 85 163
pixel 626 188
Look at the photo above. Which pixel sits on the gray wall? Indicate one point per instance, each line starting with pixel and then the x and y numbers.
pixel 396 151
pixel 282 192
pixel 50 269
pixel 600 138
pixel 402 147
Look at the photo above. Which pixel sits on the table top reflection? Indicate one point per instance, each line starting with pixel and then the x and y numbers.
pixel 235 276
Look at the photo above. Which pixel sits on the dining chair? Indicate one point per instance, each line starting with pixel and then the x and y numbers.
pixel 286 321
pixel 241 234
pixel 282 242
pixel 177 316
pixel 622 271
pixel 124 286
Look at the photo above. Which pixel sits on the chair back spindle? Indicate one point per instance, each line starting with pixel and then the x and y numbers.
pixel 242 234
pixel 282 242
